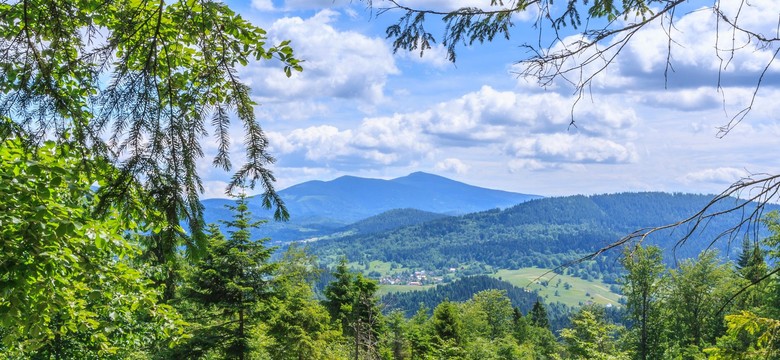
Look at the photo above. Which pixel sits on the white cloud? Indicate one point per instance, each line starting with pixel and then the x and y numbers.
pixel 337 64
pixel 214 189
pixel 314 4
pixel 572 148
pixel 702 49
pixel 384 141
pixel 686 99
pixel 436 56
pixel 523 127
pixel 452 165
pixel 721 175
pixel 264 5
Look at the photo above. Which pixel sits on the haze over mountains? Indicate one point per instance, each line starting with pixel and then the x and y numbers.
pixel 319 208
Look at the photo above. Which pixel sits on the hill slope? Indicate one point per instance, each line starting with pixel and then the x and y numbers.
pixel 321 207
pixel 544 232
pixel 391 219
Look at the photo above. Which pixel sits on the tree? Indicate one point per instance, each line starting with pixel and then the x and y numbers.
pixel 538 316
pixel 753 269
pixel 299 325
pixel 397 336
pixel 352 303
pixel 591 337
pixel 230 281
pixel 67 284
pixel 339 296
pixel 697 290
pixel 420 334
pixel 498 309
pixel 135 83
pixel 366 318
pixel 519 326
pixel 761 332
pixel 772 222
pixel 641 286
pixel 447 325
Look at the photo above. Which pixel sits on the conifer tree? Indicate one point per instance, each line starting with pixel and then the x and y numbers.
pixel 538 316
pixel 299 325
pixel 228 283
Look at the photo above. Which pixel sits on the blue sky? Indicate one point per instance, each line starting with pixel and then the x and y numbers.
pixel 358 109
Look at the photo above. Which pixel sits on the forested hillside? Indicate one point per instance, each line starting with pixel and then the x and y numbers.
pixel 545 232
pixel 390 220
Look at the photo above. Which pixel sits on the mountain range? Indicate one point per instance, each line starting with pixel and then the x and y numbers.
pixel 319 208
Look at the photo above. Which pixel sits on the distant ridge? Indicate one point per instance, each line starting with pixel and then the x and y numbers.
pixel 529 233
pixel 392 219
pixel 320 207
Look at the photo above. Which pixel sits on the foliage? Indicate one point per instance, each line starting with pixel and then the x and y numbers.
pixel 299 325
pixel 697 291
pixel 148 74
pixel 460 290
pixel 642 286
pixel 228 284
pixel 448 328
pixel 66 274
pixel 538 316
pixel 497 309
pixel 761 332
pixel 591 337
pixel 352 303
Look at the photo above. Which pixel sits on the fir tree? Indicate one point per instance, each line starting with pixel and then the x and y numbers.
pixel 538 316
pixel 229 282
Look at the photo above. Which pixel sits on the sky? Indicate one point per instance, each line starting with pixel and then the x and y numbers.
pixel 359 109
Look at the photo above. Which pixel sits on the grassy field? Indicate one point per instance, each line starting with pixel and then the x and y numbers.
pixel 384 268
pixel 579 291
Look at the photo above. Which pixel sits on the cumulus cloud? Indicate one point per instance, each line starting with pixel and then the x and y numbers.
pixel 528 129
pixel 377 141
pixel 701 49
pixel 721 175
pixel 452 165
pixel 572 148
pixel 685 100
pixel 340 64
pixel 444 5
pixel 214 189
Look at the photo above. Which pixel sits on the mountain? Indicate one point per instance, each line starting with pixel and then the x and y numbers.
pixel 544 232
pixel 319 208
pixel 391 219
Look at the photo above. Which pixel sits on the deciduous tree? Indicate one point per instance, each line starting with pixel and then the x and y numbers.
pixel 67 286
pixel 642 286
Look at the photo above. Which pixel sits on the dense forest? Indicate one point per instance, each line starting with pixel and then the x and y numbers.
pixel 545 233
pixel 115 299
pixel 392 219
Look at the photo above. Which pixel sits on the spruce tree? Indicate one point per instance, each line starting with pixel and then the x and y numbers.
pixel 538 316
pixel 229 282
